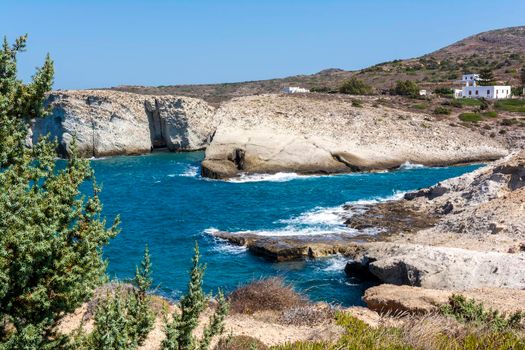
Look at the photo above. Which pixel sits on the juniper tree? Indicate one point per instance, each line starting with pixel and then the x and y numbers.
pixel 486 77
pixel 51 235
pixel 179 331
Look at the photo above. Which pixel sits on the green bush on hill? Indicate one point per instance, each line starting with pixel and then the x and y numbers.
pixel 470 117
pixel 355 86
pixel 406 88
pixel 511 105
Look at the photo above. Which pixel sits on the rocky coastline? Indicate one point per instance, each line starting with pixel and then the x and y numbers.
pixel 463 234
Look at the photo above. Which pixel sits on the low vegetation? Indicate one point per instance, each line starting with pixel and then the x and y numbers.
pixel 470 117
pixel 441 110
pixel 354 86
pixel 511 105
pixel 406 88
pixel 240 342
pixel 461 324
pixel 271 294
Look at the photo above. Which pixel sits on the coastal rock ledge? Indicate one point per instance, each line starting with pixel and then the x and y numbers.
pixel 303 134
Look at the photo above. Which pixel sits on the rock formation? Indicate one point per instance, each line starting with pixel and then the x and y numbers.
pixel 114 123
pixel 305 134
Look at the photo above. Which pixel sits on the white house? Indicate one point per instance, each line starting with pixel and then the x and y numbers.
pixel 488 92
pixel 473 90
pixel 294 90
pixel 423 92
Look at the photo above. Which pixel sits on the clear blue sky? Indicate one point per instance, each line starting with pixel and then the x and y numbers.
pixel 103 43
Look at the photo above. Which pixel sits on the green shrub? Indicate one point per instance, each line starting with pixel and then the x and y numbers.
pixel 511 105
pixel 357 103
pixel 469 311
pixel 420 106
pixel 444 91
pixel 469 117
pixel 491 114
pixel 406 88
pixel 470 102
pixel 442 110
pixel 355 86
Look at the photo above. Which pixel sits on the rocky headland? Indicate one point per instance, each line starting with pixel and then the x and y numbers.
pixel 108 123
pixel 303 134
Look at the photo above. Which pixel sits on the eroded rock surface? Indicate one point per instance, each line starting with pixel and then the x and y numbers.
pixel 387 298
pixel 272 133
pixel 115 123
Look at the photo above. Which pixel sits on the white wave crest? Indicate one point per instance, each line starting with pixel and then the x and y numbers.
pixel 407 165
pixel 277 177
pixel 335 264
pixel 190 171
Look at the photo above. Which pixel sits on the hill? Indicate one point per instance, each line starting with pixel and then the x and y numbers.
pixel 501 50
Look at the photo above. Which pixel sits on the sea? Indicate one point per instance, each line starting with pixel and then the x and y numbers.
pixel 164 203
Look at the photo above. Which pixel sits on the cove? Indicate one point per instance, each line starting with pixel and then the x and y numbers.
pixel 164 203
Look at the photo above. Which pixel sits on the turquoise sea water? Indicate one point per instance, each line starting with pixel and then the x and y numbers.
pixel 164 203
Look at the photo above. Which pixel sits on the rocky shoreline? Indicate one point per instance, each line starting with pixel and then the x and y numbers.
pixel 460 235
pixel 463 234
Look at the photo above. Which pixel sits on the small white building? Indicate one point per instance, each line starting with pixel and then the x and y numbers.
pixel 473 90
pixel 294 90
pixel 423 92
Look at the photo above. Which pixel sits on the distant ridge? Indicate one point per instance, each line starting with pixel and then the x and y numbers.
pixel 502 50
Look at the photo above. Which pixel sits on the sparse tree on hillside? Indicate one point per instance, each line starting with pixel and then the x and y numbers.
pixel 486 77
pixel 51 236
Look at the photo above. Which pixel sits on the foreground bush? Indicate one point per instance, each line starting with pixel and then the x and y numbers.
pixel 270 294
pixel 51 237
pixel 179 331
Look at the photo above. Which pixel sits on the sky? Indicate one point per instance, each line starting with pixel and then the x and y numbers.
pixel 103 43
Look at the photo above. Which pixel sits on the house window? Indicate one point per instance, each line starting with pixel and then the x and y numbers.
pixel 477 92
pixel 470 92
pixel 488 92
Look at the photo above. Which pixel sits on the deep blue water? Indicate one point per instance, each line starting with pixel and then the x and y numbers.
pixel 164 203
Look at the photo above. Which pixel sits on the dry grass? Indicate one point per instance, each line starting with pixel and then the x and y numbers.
pixel 240 342
pixel 270 294
pixel 308 315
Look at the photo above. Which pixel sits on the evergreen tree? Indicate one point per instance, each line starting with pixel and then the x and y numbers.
pixel 123 318
pixel 51 235
pixel 179 331
pixel 140 312
pixel 486 77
